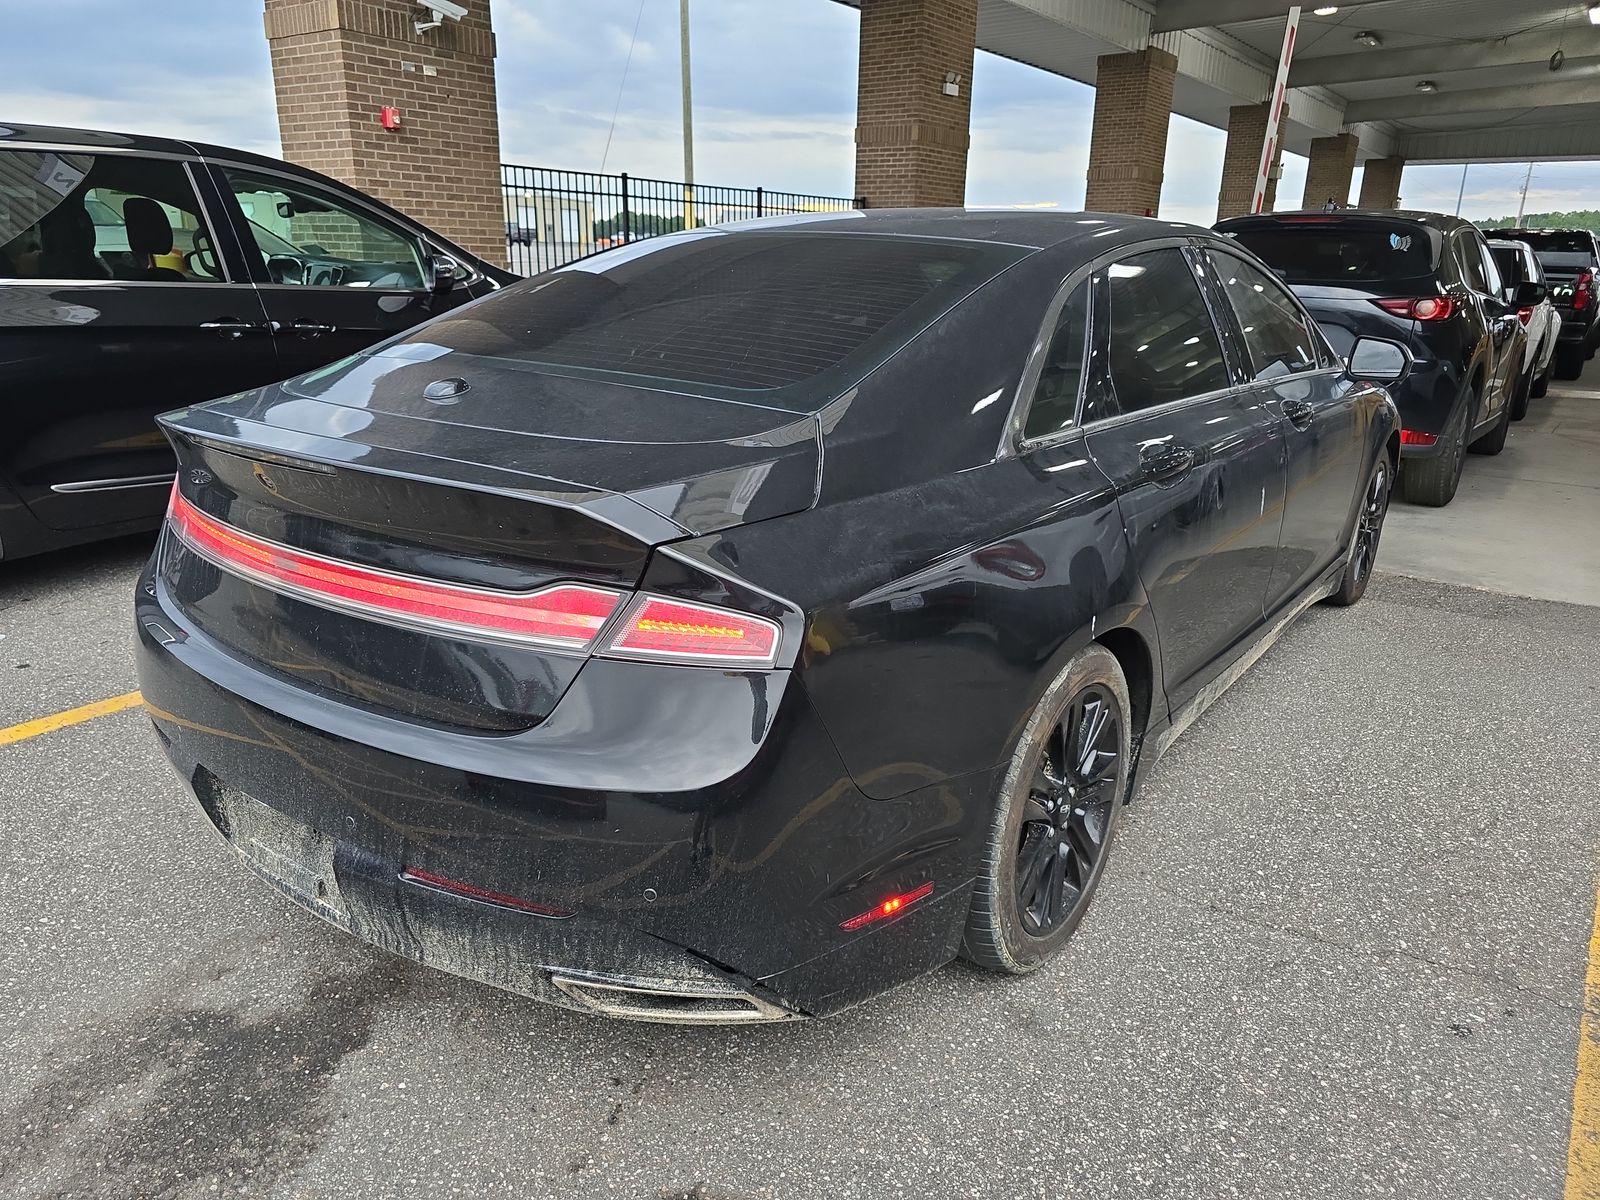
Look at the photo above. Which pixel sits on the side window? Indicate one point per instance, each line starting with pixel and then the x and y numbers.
pixel 86 216
pixel 309 238
pixel 1275 334
pixel 1055 398
pixel 1471 263
pixel 1163 346
pixel 1491 270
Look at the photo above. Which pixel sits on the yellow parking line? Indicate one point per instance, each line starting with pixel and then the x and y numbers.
pixel 1583 1142
pixel 73 716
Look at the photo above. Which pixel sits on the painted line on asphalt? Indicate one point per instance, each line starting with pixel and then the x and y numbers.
pixel 72 716
pixel 1583 1142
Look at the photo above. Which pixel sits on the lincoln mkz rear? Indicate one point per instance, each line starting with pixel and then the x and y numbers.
pixel 731 626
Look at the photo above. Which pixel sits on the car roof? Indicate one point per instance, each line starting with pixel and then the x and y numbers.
pixel 1027 228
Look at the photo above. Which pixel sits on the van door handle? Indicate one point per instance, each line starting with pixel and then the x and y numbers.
pixel 1298 413
pixel 1163 464
pixel 228 327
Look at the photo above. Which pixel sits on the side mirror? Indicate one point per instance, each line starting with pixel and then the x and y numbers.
pixel 443 272
pixel 1527 295
pixel 1376 358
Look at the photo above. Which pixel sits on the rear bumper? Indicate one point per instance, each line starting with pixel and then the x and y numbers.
pixel 1427 398
pixel 704 836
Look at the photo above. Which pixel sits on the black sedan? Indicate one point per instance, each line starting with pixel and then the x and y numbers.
pixel 138 273
pixel 733 625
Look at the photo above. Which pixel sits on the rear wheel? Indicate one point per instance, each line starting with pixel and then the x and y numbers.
pixel 1432 482
pixel 1519 401
pixel 1541 385
pixel 1054 820
pixel 1364 542
pixel 1569 361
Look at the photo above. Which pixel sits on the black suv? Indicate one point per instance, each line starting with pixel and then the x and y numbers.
pixel 1571 261
pixel 139 274
pixel 1429 283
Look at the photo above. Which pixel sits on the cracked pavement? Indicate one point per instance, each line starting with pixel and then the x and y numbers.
pixel 1339 952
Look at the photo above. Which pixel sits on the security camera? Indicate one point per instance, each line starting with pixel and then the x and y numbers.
pixel 440 9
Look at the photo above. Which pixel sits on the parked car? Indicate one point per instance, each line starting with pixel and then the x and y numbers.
pixel 731 626
pixel 1429 283
pixel 518 235
pixel 1519 265
pixel 139 273
pixel 1571 261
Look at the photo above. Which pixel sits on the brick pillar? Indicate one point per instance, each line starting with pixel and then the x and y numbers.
pixel 1247 131
pixel 1380 183
pixel 335 63
pixel 912 138
pixel 1333 164
pixel 1128 147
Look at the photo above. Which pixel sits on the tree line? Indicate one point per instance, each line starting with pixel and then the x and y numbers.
pixel 1583 218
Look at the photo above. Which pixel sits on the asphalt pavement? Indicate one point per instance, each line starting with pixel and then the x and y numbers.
pixel 1339 952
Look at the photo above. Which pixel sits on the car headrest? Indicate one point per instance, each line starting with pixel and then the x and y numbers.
pixel 149 231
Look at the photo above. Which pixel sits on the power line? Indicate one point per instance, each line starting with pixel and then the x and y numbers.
pixel 626 63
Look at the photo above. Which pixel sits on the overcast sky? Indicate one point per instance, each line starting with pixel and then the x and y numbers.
pixel 774 88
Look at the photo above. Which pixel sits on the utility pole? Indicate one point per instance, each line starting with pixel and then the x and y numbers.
pixel 1522 201
pixel 1463 190
pixel 688 117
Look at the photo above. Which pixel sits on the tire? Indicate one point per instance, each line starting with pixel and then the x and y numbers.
pixel 1432 482
pixel 1519 401
pixel 1038 821
pixel 1363 552
pixel 1569 361
pixel 1541 385
pixel 1495 440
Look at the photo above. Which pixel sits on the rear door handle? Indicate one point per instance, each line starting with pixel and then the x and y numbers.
pixel 1163 464
pixel 1298 413
pixel 228 327
pixel 311 329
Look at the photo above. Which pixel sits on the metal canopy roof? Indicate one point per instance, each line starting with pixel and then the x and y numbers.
pixel 1496 97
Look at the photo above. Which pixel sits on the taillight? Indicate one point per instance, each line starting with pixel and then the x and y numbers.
pixel 666 630
pixel 1582 291
pixel 563 616
pixel 1413 437
pixel 1425 308
pixel 891 907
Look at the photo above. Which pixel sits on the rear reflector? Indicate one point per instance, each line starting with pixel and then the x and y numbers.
pixel 1524 315
pixel 563 617
pixel 891 907
pixel 1412 437
pixel 456 888
pixel 664 630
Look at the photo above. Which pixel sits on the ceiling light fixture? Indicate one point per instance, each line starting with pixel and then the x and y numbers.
pixel 1427 85
pixel 1594 14
pixel 1367 38
pixel 1556 59
pixel 1327 10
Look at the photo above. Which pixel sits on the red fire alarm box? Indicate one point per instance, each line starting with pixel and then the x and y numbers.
pixel 389 117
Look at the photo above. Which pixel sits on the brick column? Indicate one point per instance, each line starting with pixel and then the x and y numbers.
pixel 1128 147
pixel 1380 183
pixel 1247 131
pixel 1333 164
pixel 335 63
pixel 911 137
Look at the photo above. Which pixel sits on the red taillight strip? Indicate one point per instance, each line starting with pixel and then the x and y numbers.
pixel 891 907
pixel 564 616
pixel 662 629
pixel 455 887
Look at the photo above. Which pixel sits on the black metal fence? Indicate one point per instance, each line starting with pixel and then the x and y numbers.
pixel 554 217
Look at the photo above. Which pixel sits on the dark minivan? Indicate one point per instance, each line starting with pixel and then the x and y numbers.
pixel 1428 282
pixel 139 274
pixel 1571 262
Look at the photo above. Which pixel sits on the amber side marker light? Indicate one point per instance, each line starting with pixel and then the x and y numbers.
pixel 455 887
pixel 892 907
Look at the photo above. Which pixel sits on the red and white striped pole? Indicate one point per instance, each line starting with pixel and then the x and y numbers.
pixel 1269 149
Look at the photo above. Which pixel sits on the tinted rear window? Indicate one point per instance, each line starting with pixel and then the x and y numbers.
pixel 1557 242
pixel 1341 252
pixel 743 311
pixel 1510 263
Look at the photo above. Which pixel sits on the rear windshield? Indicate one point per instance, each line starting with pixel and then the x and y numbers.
pixel 1341 252
pixel 740 311
pixel 1509 260
pixel 1560 248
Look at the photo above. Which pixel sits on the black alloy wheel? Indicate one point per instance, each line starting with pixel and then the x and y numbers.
pixel 1067 816
pixel 1364 542
pixel 1055 817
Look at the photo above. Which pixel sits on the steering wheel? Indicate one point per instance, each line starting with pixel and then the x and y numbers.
pixel 203 255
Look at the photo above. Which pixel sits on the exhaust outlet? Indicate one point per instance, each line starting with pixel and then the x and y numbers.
pixel 697 1003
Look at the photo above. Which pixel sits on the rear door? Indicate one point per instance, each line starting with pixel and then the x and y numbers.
pixel 335 275
pixel 1197 462
pixel 1291 371
pixel 1498 319
pixel 118 300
